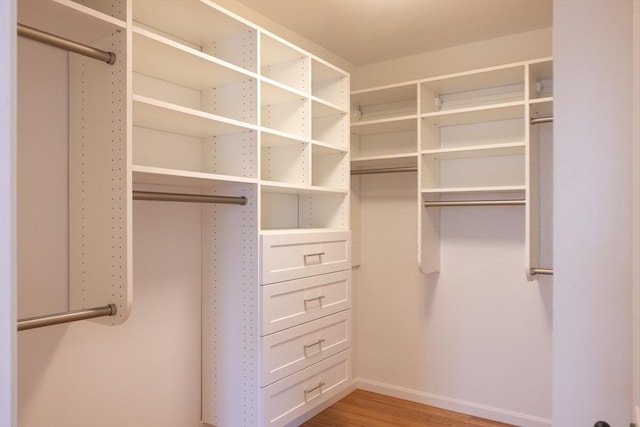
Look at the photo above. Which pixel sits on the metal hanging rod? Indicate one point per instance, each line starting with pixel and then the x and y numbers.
pixel 62 43
pixel 384 170
pixel 437 203
pixel 71 316
pixel 540 120
pixel 181 197
pixel 546 271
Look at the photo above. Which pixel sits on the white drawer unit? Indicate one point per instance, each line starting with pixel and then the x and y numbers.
pixel 294 302
pixel 294 255
pixel 291 350
pixel 291 397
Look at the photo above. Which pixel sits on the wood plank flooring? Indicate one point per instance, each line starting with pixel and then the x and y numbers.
pixel 366 409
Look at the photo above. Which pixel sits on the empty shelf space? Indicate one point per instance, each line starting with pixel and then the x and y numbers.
pixel 181 178
pixel 477 151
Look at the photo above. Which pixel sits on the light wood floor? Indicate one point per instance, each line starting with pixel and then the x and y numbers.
pixel 365 409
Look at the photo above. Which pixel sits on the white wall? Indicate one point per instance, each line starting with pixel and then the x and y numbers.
pixel 7 214
pixel 477 337
pixel 592 350
pixel 145 372
pixel 487 53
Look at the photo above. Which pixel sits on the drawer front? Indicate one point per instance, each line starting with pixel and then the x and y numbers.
pixel 296 394
pixel 291 303
pixel 291 350
pixel 291 256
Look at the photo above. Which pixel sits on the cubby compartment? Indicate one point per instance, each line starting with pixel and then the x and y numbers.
pixel 329 84
pixel 283 63
pixel 541 80
pixel 285 111
pixel 329 125
pixel 226 154
pixel 330 168
pixel 473 89
pixel 475 171
pixel 289 208
pixel 202 27
pixel 387 144
pixel 284 160
pixel 113 8
pixel 384 103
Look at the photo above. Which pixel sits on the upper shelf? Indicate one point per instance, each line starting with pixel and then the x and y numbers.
pixel 201 26
pixel 71 20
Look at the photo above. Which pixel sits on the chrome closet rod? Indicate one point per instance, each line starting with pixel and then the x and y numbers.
pixel 62 43
pixel 546 271
pixel 182 197
pixel 437 203
pixel 540 120
pixel 384 170
pixel 70 316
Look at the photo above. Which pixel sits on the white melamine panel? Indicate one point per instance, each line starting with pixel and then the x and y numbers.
pixel 288 351
pixel 494 171
pixel 541 79
pixel 287 256
pixel 285 111
pixel 289 303
pixel 285 206
pixel 476 114
pixel 329 210
pixel 385 125
pixel 100 241
pixel 203 26
pixel 384 102
pixel 291 397
pixel 8 250
pixel 230 306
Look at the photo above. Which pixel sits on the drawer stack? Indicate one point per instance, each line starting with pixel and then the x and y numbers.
pixel 305 321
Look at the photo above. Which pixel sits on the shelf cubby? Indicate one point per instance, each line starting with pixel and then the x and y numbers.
pixel 473 89
pixel 284 159
pixel 330 168
pixel 303 208
pixel 283 63
pixel 541 79
pixel 329 125
pixel 384 103
pixel 285 111
pixel 329 84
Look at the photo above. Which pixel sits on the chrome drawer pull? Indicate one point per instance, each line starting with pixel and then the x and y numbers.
pixel 318 298
pixel 313 344
pixel 314 254
pixel 312 389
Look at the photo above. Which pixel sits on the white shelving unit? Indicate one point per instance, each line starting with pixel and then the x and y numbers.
pixel 100 251
pixel 468 134
pixel 220 106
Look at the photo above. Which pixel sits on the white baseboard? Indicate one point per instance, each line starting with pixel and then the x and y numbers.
pixel 456 405
pixel 636 417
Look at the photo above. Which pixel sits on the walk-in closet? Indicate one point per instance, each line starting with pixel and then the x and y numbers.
pixel 214 213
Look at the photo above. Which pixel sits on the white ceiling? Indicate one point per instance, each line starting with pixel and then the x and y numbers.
pixel 368 31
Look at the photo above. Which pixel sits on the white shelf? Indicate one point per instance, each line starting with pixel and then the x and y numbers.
pixel 163 58
pixel 475 190
pixel 203 27
pixel 71 20
pixel 160 115
pixel 476 151
pixel 388 161
pixel 181 178
pixel 503 111
pixel 397 124
pixel 282 188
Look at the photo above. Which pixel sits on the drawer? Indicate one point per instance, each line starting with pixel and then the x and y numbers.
pixel 293 349
pixel 294 255
pixel 296 394
pixel 298 301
